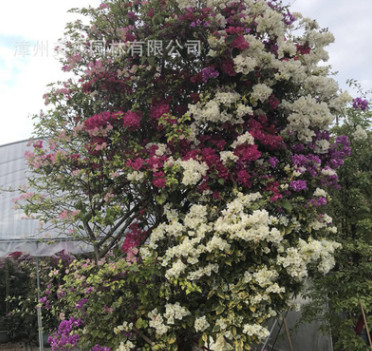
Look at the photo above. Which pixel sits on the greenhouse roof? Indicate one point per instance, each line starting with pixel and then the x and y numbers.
pixel 18 233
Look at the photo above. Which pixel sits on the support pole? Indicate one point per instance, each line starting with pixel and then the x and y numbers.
pixel 268 338
pixel 7 287
pixel 287 332
pixel 39 316
pixel 277 334
pixel 365 323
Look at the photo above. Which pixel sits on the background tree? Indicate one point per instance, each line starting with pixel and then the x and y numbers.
pixel 351 207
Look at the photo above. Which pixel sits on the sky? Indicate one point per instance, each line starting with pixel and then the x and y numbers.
pixel 29 31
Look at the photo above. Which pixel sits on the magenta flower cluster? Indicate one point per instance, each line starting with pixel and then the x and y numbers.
pixel 360 104
pixel 64 339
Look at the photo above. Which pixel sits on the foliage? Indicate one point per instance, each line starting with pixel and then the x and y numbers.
pixel 213 166
pixel 22 298
pixel 351 209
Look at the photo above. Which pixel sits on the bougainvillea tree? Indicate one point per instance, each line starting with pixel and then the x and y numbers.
pixel 350 284
pixel 197 132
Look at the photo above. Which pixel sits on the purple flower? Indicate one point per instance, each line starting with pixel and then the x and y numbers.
pixel 298 148
pixel 360 104
pixel 339 151
pixel 45 303
pixel 88 290
pixel 81 303
pixel 273 161
pixel 288 18
pixel 324 134
pixel 131 15
pixel 321 201
pixel 99 348
pixel 208 73
pixel 63 339
pixel 298 185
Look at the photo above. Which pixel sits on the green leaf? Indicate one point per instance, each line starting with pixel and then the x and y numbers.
pixel 287 205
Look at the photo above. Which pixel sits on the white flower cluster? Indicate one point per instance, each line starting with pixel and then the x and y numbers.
pixel 157 322
pixel 189 247
pixel 186 248
pixel 294 263
pixel 327 256
pixel 248 227
pixel 201 324
pixel 203 271
pixel 161 148
pixel 182 4
pixel 320 193
pixel 227 99
pixel 271 22
pixel 323 250
pixel 244 64
pixel 126 327
pixel 297 259
pixel 196 216
pixel 234 223
pixel 307 113
pixel 318 224
pixel 209 112
pixel 136 176
pixel 310 251
pixel 219 344
pixel 275 289
pixel 324 87
pixel 228 156
pixel 265 277
pixel 261 92
pixel 193 171
pixel 174 229
pixel 290 70
pixel 256 299
pixel 127 346
pixel 215 43
pixel 243 110
pixel 217 243
pixel 157 234
pixel 359 133
pixel 328 172
pixel 247 277
pixel 256 330
pixel 339 103
pixel 175 311
pixel 222 108
pixel 287 47
pixel 245 138
pixel 144 252
pixel 178 267
pixel 322 146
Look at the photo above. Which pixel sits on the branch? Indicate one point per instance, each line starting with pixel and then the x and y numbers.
pixel 118 224
pixel 144 337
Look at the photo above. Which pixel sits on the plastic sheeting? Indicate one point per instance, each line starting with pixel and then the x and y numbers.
pixel 304 336
pixel 16 232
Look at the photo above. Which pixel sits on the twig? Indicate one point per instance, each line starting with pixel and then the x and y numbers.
pixel 365 323
pixel 144 337
pixel 287 332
